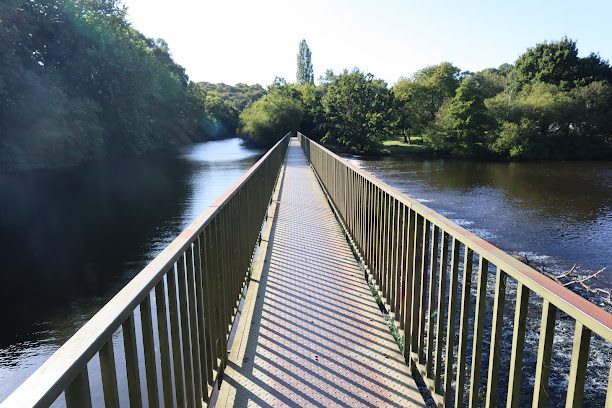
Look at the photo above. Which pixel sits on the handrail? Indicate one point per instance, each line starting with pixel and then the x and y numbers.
pixel 195 282
pixel 405 246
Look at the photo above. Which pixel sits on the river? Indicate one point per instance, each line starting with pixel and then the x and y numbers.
pixel 71 238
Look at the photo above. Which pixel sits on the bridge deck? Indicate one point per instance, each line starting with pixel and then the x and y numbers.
pixel 314 334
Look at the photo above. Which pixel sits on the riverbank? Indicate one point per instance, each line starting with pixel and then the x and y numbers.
pixel 416 148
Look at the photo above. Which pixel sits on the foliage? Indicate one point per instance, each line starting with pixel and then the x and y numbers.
pixel 558 63
pixel 225 102
pixel 77 82
pixel 270 118
pixel 543 121
pixel 551 104
pixel 305 74
pixel 422 95
pixel 356 111
pixel 463 121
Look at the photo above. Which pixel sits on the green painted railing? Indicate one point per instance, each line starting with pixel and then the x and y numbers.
pixel 183 304
pixel 413 256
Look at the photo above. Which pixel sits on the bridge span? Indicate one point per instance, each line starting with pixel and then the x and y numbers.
pixel 311 283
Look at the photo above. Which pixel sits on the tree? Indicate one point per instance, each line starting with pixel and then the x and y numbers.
pixel 463 122
pixel 465 119
pixel 99 86
pixel 422 95
pixel 271 117
pixel 356 112
pixel 558 63
pixel 305 73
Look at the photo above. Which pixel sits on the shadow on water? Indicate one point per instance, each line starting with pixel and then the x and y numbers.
pixel 71 238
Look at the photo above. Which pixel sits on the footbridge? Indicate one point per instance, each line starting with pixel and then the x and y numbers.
pixel 312 283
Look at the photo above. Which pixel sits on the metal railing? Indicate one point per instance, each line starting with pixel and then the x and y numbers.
pixel 185 300
pixel 413 256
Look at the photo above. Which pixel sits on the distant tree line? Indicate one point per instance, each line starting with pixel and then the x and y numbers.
pixel 550 104
pixel 78 83
pixel 225 102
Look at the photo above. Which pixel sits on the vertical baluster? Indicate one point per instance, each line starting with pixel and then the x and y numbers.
pixel 499 303
pixel 362 220
pixel 352 198
pixel 547 333
pixel 580 357
pixel 409 273
pixel 395 264
pixel 466 286
pixel 194 317
pixel 232 273
pixel 77 393
pixel 423 289
pixel 381 241
pixel 402 265
pixel 433 269
pixel 395 277
pixel 177 358
pixel 149 351
pixel 220 300
pixel 164 344
pixel 109 374
pixel 184 317
pixel 204 357
pixel 416 283
pixel 224 264
pixel 481 296
pixel 401 209
pixel 450 324
pixel 372 226
pixel 131 362
pixel 518 345
pixel 386 244
pixel 210 293
pixel 441 296
pixel 376 243
pixel 390 240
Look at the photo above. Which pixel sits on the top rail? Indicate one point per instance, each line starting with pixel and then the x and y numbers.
pixel 201 273
pixel 408 248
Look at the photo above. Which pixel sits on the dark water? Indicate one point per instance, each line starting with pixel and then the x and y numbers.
pixel 71 238
pixel 555 214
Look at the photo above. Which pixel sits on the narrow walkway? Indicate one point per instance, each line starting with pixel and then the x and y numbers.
pixel 317 337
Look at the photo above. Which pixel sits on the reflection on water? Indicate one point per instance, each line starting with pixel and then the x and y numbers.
pixel 72 238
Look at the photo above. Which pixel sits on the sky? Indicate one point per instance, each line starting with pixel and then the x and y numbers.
pixel 253 41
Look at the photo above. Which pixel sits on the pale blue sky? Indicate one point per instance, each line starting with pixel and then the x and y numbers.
pixel 253 41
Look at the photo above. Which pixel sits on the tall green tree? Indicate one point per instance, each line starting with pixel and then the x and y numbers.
pixel 422 95
pixel 356 111
pixel 557 62
pixel 271 117
pixel 305 73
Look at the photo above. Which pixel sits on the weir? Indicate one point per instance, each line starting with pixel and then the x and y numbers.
pixel 267 299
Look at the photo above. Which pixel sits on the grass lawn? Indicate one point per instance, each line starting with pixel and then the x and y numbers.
pixel 395 146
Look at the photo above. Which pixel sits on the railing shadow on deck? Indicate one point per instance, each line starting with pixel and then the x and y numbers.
pixel 182 304
pixel 418 260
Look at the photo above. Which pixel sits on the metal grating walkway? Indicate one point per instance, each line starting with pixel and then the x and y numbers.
pixel 316 336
